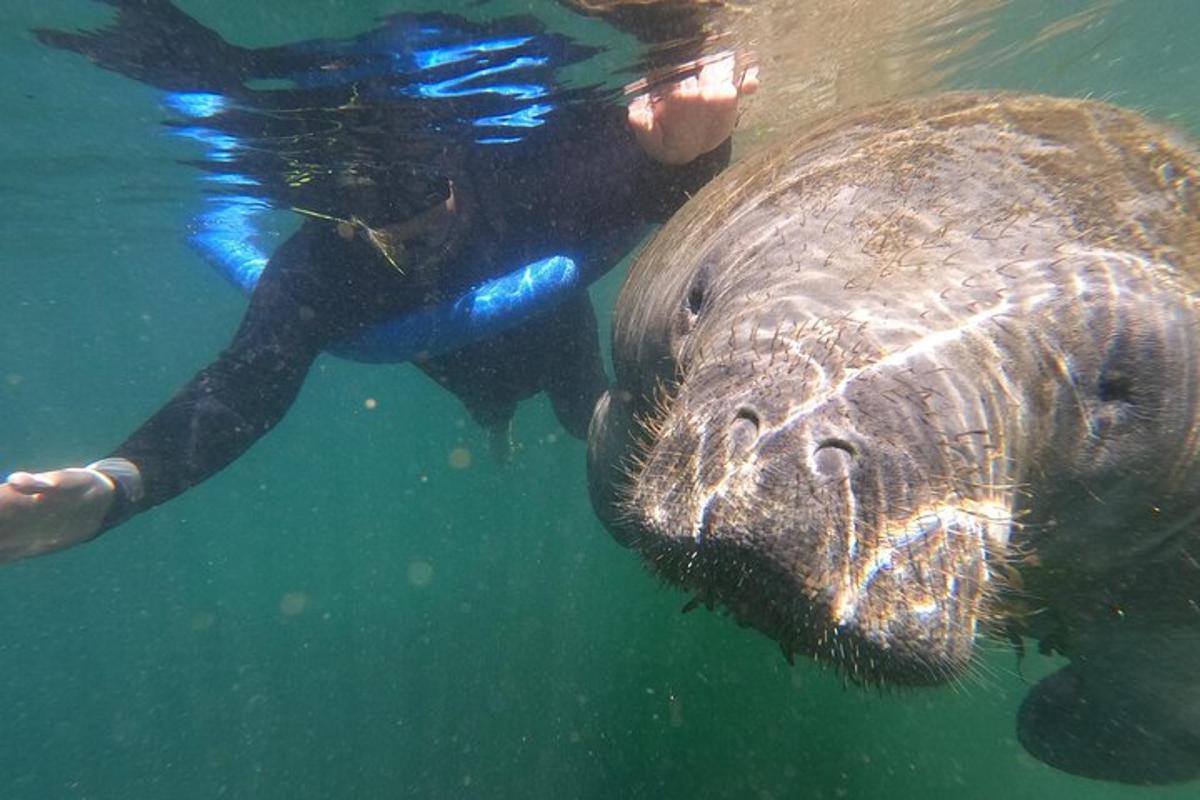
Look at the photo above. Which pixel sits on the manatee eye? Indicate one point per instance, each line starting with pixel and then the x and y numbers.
pixel 695 299
pixel 697 292
pixel 1115 388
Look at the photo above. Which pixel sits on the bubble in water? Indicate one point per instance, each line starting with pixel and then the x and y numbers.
pixel 460 458
pixel 420 573
pixel 293 603
pixel 203 620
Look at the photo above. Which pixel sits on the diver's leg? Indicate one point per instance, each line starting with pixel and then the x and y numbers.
pixel 572 367
pixel 154 42
pixel 557 352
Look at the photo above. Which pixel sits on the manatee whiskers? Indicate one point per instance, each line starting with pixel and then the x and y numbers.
pixel 733 578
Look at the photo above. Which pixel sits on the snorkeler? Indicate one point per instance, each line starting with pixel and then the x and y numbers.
pixel 452 179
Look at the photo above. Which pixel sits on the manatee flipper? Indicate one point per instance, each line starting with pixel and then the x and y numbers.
pixel 1136 727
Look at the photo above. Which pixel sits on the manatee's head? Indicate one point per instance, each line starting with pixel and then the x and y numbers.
pixel 832 530
pixel 763 451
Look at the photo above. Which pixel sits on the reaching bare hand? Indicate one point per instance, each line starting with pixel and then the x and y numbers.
pixel 48 511
pixel 694 115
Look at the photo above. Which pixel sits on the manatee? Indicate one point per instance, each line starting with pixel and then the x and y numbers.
pixel 924 376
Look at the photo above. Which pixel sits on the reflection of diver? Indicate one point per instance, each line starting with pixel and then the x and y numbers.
pixel 421 175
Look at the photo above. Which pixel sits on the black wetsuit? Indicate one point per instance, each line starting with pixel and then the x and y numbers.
pixel 452 154
pixel 562 192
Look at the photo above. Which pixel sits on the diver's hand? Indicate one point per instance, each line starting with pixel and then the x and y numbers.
pixel 48 511
pixel 694 115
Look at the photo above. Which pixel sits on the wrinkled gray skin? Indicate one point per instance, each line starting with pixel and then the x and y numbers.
pixel 925 374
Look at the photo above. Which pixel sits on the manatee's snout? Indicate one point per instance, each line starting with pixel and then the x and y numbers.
pixel 833 539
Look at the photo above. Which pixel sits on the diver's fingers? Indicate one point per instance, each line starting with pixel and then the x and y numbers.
pixel 28 483
pixel 716 79
pixel 687 87
pixel 59 482
pixel 641 113
pixel 717 82
pixel 749 82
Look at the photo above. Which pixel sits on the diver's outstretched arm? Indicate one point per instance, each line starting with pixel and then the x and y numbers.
pixel 215 418
pixel 220 413
pixel 209 423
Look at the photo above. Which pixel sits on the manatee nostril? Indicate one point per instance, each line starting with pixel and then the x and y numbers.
pixel 749 415
pixel 743 431
pixel 833 455
pixel 838 444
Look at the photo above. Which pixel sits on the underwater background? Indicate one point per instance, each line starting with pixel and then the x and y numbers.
pixel 367 604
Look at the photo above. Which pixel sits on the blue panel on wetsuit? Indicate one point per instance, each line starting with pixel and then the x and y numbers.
pixel 453 54
pixel 433 60
pixel 226 235
pixel 197 104
pixel 223 146
pixel 528 117
pixel 477 314
pixel 485 88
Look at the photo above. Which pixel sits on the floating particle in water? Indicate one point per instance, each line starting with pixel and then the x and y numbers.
pixel 203 620
pixel 370 404
pixel 675 707
pixel 293 603
pixel 420 573
pixel 13 379
pixel 459 458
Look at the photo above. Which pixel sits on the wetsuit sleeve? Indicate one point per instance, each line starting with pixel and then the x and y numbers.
pixel 601 157
pixel 298 308
pixel 664 188
pixel 589 176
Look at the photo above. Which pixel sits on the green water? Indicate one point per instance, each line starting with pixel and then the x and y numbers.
pixel 345 613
